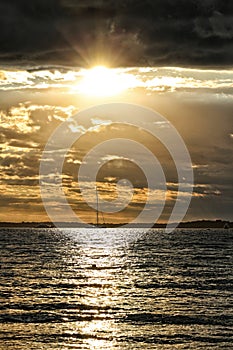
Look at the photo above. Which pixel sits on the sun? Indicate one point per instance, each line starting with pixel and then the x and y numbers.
pixel 101 81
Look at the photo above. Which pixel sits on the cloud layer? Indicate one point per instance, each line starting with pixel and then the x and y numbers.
pixel 25 129
pixel 123 33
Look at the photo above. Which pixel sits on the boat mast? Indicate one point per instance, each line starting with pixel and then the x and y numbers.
pixel 97 207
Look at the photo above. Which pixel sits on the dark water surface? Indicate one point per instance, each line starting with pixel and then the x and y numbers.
pixel 116 289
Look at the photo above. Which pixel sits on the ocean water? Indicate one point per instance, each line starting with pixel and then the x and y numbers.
pixel 116 289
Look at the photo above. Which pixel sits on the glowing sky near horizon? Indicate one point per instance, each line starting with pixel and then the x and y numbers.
pixel 34 102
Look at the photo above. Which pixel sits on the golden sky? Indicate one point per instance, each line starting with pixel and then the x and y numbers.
pixel 198 102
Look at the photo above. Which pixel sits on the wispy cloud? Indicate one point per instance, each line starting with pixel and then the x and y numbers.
pixel 167 79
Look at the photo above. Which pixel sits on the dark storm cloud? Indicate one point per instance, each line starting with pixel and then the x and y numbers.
pixel 133 32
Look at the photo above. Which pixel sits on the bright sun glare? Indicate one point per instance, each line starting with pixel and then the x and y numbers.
pixel 102 81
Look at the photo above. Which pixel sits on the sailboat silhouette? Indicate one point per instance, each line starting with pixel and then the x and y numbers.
pixel 97 207
pixel 98 224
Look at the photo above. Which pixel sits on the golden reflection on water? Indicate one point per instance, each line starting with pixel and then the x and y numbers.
pixel 99 328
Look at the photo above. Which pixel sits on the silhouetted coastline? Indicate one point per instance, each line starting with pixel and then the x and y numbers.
pixel 187 224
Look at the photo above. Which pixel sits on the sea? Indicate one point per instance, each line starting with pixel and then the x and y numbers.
pixel 116 288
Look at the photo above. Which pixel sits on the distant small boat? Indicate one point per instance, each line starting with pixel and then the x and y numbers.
pixel 226 226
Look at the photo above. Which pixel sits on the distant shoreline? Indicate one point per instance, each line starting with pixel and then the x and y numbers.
pixel 187 224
